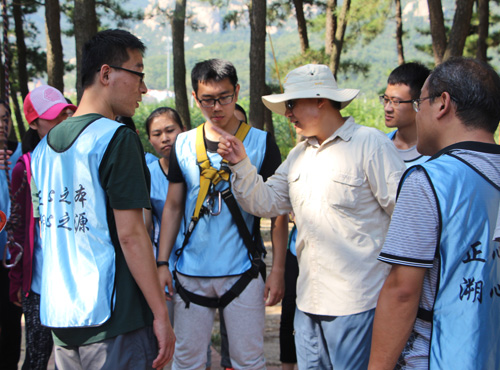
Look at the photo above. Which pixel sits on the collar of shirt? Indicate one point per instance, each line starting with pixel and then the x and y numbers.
pixel 344 132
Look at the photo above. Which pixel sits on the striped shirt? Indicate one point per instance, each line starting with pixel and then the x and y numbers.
pixel 412 239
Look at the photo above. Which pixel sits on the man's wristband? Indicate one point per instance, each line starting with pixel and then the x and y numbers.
pixel 161 263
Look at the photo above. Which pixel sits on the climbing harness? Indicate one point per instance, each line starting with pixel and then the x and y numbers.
pixel 207 196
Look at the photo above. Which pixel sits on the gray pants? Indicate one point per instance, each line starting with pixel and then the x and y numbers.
pixel 244 318
pixel 134 350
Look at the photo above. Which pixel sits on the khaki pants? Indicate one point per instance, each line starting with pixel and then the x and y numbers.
pixel 134 350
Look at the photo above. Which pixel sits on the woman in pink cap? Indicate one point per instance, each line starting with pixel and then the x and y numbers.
pixel 44 107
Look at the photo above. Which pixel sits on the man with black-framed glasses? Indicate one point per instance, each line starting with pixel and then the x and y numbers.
pixel 440 305
pixel 219 259
pixel 100 292
pixel 403 87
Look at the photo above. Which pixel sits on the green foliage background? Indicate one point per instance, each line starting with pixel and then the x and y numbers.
pixel 366 111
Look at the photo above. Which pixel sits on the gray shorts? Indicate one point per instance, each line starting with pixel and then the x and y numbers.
pixel 134 350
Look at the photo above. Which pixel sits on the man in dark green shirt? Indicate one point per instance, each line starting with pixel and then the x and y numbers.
pixel 113 85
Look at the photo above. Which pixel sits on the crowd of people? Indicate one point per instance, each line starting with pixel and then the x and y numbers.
pixel 125 258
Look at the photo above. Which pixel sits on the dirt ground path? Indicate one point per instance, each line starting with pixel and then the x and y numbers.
pixel 271 336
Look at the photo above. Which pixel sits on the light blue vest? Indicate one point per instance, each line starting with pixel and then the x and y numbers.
pixel 4 196
pixel 215 247
pixel 418 160
pixel 466 315
pixel 78 274
pixel 158 194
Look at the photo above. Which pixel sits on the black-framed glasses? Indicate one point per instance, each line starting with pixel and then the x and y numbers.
pixel 416 103
pixel 140 74
pixel 384 100
pixel 289 104
pixel 223 100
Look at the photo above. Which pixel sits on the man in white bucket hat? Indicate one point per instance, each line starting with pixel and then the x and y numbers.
pixel 341 184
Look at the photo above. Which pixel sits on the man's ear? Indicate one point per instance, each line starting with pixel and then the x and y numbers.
pixel 445 104
pixel 34 125
pixel 236 92
pixel 104 74
pixel 322 102
pixel 196 99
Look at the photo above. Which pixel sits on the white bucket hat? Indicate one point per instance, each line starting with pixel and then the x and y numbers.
pixel 306 82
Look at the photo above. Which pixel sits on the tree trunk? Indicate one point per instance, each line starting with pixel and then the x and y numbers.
pixel 331 25
pixel 55 62
pixel 399 33
pixel 257 62
pixel 85 25
pixel 438 33
pixel 268 115
pixel 22 72
pixel 339 38
pixel 301 24
pixel 460 29
pixel 19 117
pixel 178 28
pixel 483 9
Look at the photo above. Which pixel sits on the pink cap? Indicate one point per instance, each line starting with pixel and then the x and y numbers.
pixel 45 102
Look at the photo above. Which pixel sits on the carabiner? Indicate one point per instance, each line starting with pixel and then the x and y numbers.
pixel 220 206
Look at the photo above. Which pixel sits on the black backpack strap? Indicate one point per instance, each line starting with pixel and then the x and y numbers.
pixel 255 250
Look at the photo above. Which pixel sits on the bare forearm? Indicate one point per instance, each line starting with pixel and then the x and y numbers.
pixel 142 265
pixel 171 221
pixel 394 319
pixel 138 253
pixel 279 238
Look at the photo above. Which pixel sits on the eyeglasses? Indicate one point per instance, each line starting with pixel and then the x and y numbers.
pixel 223 100
pixel 140 74
pixel 416 103
pixel 384 100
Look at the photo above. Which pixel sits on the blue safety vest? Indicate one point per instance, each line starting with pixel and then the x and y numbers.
pixel 5 197
pixel 466 313
pixel 215 247
pixel 78 276
pixel 158 194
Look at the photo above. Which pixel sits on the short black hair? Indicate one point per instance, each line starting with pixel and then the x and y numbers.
pixel 474 88
pixel 127 121
pixel 242 110
pixel 410 74
pixel 169 112
pixel 107 47
pixel 215 70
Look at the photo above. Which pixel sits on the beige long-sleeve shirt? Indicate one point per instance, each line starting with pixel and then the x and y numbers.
pixel 342 193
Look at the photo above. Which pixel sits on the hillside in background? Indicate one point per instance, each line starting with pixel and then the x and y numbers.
pixel 233 44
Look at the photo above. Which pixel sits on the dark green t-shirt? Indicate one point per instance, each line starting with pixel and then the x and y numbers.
pixel 124 176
